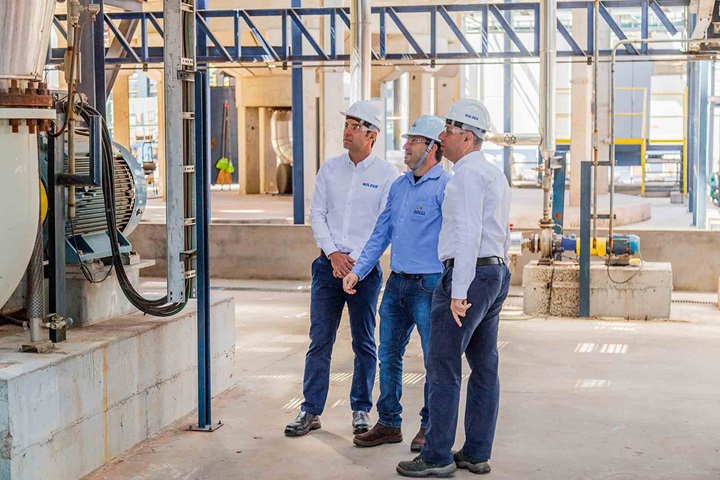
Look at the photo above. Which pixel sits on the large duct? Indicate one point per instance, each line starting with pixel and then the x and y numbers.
pixel 360 55
pixel 25 27
pixel 548 64
pixel 24 35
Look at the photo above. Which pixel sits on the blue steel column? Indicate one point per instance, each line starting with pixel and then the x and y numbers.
pixel 202 199
pixel 99 59
pixel 298 129
pixel 585 194
pixel 701 173
pixel 507 103
pixel 693 128
pixel 691 132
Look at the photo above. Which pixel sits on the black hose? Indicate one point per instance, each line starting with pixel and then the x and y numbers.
pixel 159 307
pixel 13 321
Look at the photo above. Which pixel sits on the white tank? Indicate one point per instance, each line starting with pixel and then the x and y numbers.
pixel 25 27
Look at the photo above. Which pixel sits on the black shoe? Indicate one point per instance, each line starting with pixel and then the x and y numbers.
pixel 419 468
pixel 361 422
pixel 304 423
pixel 475 465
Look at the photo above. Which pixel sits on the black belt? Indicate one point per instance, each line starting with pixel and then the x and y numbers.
pixel 412 276
pixel 481 262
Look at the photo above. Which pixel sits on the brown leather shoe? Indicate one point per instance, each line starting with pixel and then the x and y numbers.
pixel 378 435
pixel 419 441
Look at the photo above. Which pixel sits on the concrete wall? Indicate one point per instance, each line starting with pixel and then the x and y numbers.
pixel 285 252
pixel 111 386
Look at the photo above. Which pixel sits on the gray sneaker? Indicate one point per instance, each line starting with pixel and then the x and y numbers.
pixel 361 422
pixel 475 465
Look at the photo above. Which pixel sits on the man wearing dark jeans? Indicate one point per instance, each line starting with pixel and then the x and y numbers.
pixel 474 245
pixel 350 193
pixel 411 222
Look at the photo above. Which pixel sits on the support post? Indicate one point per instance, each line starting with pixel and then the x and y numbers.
pixel 298 130
pixel 99 59
pixel 202 209
pixel 56 227
pixel 585 198
pixel 701 172
pixel 558 205
pixel 508 103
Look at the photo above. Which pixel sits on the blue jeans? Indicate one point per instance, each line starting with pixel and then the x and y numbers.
pixel 327 300
pixel 406 303
pixel 477 338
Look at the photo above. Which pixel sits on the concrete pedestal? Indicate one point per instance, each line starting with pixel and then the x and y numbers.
pixel 627 292
pixel 109 387
pixel 89 303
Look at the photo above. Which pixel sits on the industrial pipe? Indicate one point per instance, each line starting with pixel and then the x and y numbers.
pixel 511 139
pixel 360 55
pixel 596 133
pixel 548 64
pixel 613 59
pixel 35 288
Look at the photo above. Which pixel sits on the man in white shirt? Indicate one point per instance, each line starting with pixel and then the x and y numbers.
pixel 474 245
pixel 350 193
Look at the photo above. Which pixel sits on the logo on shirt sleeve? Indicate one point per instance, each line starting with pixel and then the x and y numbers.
pixel 370 185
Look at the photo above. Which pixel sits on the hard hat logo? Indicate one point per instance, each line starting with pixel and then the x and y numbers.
pixel 471 114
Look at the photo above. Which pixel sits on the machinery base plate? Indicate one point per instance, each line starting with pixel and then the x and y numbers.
pixel 208 428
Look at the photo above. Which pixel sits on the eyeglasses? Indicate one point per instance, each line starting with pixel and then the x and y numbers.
pixel 450 130
pixel 356 127
pixel 415 140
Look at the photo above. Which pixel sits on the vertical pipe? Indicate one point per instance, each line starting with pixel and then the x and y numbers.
pixel 360 38
pixel 596 127
pixel 508 103
pixel 548 64
pixel 702 148
pixel 298 128
pixel 35 288
pixel 586 170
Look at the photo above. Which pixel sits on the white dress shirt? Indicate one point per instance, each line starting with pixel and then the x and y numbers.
pixel 476 218
pixel 348 200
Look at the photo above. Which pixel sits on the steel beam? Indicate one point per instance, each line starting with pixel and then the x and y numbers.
pixel 264 52
pixel 298 127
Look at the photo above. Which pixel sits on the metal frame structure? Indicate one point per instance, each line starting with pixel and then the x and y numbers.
pixel 491 17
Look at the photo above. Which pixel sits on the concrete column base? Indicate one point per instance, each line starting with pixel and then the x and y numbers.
pixel 109 387
pixel 627 292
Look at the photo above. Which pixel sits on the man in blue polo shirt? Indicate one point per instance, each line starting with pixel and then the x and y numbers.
pixel 411 221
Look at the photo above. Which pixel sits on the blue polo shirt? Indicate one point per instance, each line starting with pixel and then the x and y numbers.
pixel 411 221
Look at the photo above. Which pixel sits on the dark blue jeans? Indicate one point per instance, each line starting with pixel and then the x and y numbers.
pixel 327 300
pixel 406 304
pixel 477 338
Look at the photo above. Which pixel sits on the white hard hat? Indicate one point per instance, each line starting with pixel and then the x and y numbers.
pixel 367 113
pixel 471 115
pixel 427 126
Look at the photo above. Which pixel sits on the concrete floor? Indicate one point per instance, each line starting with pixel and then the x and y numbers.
pixel 581 399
